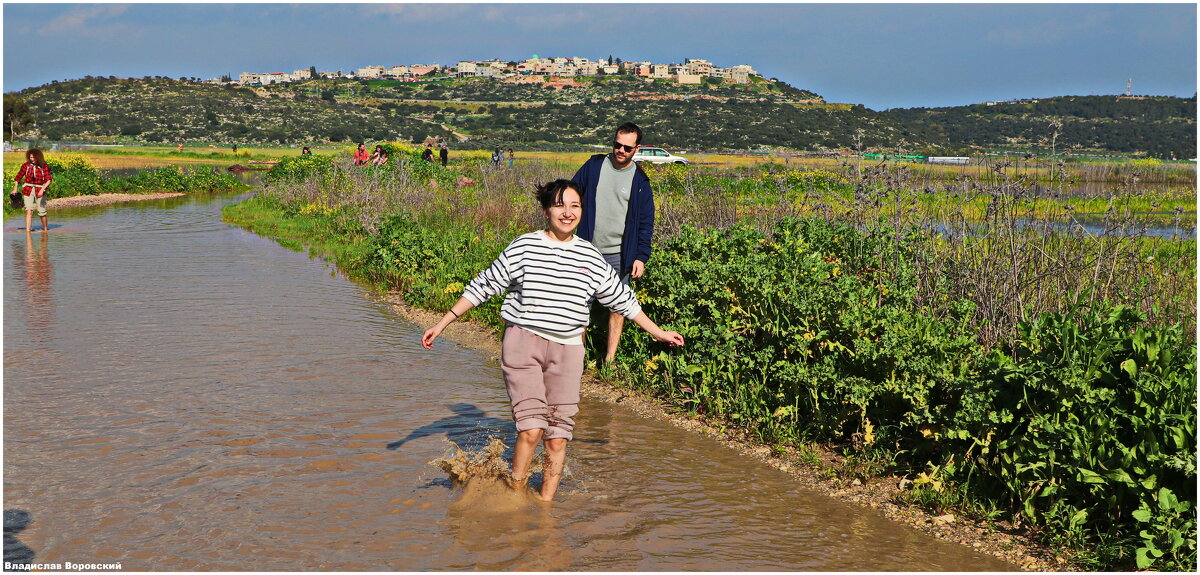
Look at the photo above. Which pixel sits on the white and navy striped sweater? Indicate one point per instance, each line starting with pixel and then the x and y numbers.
pixel 551 286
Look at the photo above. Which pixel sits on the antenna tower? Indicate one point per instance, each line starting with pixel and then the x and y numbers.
pixel 1129 87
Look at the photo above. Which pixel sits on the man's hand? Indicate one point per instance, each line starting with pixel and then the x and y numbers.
pixel 638 269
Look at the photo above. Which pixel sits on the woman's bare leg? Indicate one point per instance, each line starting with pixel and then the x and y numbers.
pixel 556 458
pixel 523 455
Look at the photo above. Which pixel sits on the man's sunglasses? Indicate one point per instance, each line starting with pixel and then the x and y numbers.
pixel 623 147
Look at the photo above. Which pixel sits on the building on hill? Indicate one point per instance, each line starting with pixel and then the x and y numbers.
pixel 587 68
pixel 369 72
pixel 396 72
pixel 697 66
pixel 273 78
pixel 557 66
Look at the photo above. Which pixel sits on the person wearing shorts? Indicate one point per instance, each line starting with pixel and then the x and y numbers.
pixel 551 277
pixel 32 180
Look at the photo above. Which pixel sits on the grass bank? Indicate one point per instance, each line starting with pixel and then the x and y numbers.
pixel 75 175
pixel 1034 376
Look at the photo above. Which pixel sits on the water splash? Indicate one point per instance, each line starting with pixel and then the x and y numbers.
pixel 484 479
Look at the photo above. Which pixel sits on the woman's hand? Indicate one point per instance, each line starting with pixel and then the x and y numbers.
pixel 671 337
pixel 430 335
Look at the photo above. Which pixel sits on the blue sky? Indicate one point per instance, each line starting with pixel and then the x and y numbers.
pixel 879 55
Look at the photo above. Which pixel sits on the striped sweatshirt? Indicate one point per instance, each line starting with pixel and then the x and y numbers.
pixel 551 286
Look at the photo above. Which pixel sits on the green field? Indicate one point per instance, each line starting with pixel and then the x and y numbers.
pixel 1039 376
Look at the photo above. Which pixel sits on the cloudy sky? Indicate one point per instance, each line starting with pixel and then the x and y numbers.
pixel 879 55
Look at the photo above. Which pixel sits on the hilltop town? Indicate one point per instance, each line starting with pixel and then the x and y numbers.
pixel 692 71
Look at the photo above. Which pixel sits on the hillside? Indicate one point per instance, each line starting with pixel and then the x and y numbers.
pixel 1162 127
pixel 166 110
pixel 574 112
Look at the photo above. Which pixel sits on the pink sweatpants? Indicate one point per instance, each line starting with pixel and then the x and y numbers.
pixel 542 378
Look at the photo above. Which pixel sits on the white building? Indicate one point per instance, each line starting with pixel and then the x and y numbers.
pixel 466 69
pixel 369 72
pixel 396 72
pixel 247 78
pixel 273 78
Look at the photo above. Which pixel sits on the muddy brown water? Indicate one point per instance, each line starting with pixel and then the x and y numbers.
pixel 180 394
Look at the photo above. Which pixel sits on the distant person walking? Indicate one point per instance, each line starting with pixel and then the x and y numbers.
pixel 618 214
pixel 444 155
pixel 427 154
pixel 511 156
pixel 497 156
pixel 180 146
pixel 361 157
pixel 31 182
pixel 551 277
pixel 235 149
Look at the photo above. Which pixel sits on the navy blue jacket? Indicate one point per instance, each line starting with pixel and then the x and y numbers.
pixel 639 217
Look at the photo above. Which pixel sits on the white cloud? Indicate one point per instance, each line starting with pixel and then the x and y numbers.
pixel 417 12
pixel 86 21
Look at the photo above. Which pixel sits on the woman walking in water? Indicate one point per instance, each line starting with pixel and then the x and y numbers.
pixel 32 180
pixel 551 277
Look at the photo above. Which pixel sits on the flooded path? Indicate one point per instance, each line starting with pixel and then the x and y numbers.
pixel 180 394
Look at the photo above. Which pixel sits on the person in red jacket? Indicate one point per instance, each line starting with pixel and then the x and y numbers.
pixel 361 157
pixel 32 180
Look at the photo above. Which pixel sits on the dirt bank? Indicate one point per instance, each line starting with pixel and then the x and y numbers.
pixel 878 493
pixel 105 199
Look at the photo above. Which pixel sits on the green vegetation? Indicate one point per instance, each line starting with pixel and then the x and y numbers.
pixel 165 110
pixel 1027 373
pixel 1161 127
pixel 74 176
pixel 580 112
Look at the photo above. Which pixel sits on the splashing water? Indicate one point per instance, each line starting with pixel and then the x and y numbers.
pixel 484 479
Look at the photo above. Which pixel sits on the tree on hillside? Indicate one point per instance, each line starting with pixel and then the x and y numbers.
pixel 17 116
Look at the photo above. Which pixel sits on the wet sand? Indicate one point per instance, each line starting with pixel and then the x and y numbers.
pixel 877 493
pixel 106 199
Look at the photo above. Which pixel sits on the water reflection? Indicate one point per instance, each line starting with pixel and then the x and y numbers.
pixel 37 291
pixel 502 529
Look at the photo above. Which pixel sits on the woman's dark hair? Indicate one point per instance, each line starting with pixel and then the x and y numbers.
pixel 38 157
pixel 551 193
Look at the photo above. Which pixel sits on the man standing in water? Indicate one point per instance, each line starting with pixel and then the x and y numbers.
pixel 618 214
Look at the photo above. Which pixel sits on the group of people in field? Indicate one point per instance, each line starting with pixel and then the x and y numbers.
pixel 498 157
pixel 599 226
pixel 378 157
